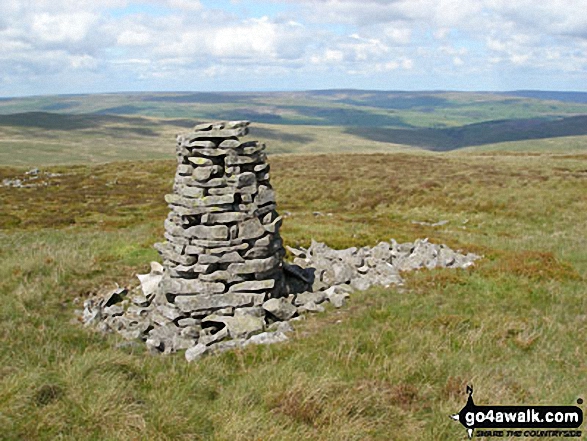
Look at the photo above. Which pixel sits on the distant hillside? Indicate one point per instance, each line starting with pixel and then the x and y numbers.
pixel 567 97
pixel 108 127
pixel 477 134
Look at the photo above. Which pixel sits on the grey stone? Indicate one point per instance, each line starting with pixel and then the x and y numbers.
pixel 296 252
pixel 184 322
pixel 209 336
pixel 245 179
pixel 113 310
pixel 204 173
pixel 210 244
pixel 254 265
pixel 267 338
pixel 214 232
pixel 188 270
pixel 306 297
pixel 261 167
pixel 232 257
pixel 242 326
pixel 310 307
pixel 381 251
pixel 140 299
pixel 280 308
pixel 255 311
pixel 212 183
pixel 252 149
pixel 230 144
pixel 169 311
pixel 162 338
pixel 212 302
pixel 274 226
pixel 223 218
pixel 216 249
pixel 194 143
pixel 190 192
pixel 283 327
pixel 207 259
pixel 214 152
pixel 361 283
pixel 180 342
pixel 221 276
pixel 337 300
pixel 205 201
pixel 184 169
pixel 265 195
pixel 253 285
pixel 196 352
pixel 200 161
pixel 238 160
pixel 228 345
pixel 218 133
pixel 342 273
pixel 192 331
pixel 190 286
pixel 168 253
pixel 251 229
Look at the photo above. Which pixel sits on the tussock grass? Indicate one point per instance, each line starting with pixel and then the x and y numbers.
pixel 392 364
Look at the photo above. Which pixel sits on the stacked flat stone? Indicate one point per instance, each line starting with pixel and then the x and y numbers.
pixel 223 247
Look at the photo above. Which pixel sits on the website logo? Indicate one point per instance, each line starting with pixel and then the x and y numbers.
pixel 490 421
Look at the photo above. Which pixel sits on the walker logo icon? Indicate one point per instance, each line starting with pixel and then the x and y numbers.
pixel 493 418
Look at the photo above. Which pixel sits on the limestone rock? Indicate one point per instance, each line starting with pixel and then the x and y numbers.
pixel 241 326
pixel 280 308
pixel 306 297
pixel 310 307
pixel 195 303
pixel 267 338
pixel 196 352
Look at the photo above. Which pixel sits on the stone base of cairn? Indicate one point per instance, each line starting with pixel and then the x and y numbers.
pixel 223 283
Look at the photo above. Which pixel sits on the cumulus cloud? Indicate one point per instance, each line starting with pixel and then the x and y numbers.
pixel 185 39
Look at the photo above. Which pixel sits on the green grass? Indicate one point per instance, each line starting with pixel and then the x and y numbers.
pixel 391 365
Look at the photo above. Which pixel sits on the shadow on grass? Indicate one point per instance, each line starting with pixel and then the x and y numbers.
pixel 476 134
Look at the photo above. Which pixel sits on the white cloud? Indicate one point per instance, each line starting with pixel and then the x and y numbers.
pixel 186 5
pixel 62 28
pixel 256 37
pixel 132 37
pixel 186 39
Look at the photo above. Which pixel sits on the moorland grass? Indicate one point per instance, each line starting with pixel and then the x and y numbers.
pixel 392 364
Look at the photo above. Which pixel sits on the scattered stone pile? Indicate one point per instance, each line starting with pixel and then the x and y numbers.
pixel 32 178
pixel 361 268
pixel 223 283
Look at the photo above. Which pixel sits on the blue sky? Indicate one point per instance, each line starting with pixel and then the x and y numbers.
pixel 87 46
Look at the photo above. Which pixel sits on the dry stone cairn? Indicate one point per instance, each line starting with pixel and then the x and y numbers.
pixel 223 247
pixel 223 283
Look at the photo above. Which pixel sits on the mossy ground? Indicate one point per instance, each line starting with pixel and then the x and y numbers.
pixel 392 364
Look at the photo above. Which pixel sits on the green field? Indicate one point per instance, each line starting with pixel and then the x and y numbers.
pixel 392 364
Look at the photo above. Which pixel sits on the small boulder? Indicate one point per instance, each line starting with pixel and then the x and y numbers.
pixel 310 307
pixel 196 352
pixel 280 308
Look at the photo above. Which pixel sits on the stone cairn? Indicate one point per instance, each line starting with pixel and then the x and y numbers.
pixel 223 247
pixel 223 283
